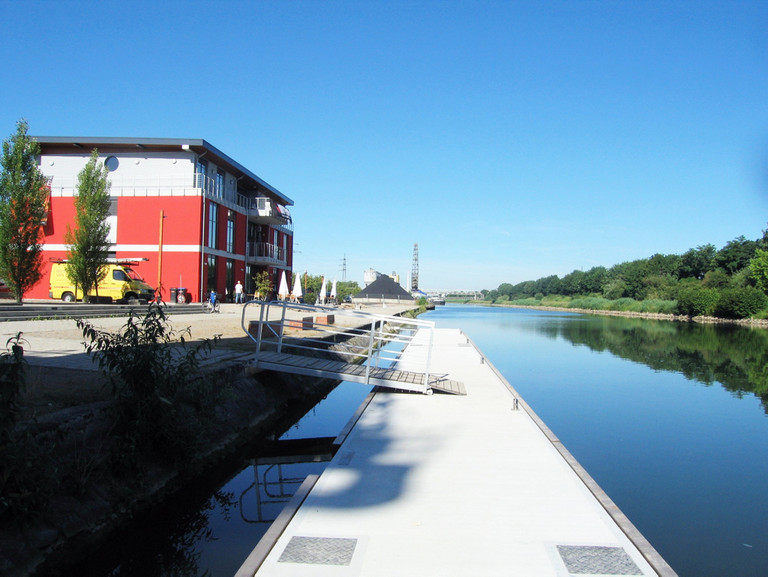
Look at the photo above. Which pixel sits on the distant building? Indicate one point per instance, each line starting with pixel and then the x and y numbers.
pixel 371 275
pixel 383 290
pixel 221 224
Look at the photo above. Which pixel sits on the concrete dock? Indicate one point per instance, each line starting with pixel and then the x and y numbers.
pixel 452 485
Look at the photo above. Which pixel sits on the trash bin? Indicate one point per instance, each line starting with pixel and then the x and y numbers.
pixel 174 295
pixel 182 298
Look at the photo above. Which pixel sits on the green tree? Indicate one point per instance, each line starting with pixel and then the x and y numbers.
pixel 697 261
pixel 736 254
pixel 88 244
pixel 572 283
pixel 24 195
pixel 262 285
pixel 347 288
pixel 595 279
pixel 758 269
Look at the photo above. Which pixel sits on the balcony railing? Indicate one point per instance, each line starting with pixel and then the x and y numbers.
pixel 261 208
pixel 266 252
pixel 266 210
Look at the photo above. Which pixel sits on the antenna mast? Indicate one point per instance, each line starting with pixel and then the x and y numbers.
pixel 415 269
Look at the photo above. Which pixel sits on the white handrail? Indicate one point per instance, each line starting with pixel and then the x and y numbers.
pixel 372 329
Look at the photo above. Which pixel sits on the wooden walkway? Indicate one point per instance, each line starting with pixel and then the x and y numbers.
pixel 382 377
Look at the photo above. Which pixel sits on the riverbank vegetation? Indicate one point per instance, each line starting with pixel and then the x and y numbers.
pixel 731 283
pixel 114 445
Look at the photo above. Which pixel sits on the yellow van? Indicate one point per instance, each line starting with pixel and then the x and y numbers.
pixel 121 283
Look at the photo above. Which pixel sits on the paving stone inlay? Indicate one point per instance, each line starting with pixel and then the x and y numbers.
pixel 594 560
pixel 319 551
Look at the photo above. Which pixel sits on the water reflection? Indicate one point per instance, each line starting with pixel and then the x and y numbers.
pixel 633 401
pixel 736 357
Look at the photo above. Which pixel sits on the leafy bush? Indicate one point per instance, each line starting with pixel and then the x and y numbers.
pixel 12 365
pixel 589 303
pixel 696 300
pixel 668 307
pixel 526 302
pixel 625 304
pixel 740 303
pixel 25 482
pixel 162 403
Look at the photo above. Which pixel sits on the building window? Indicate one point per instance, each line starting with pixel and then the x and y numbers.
pixel 220 183
pixel 201 172
pixel 213 223
pixel 211 272
pixel 230 280
pixel 231 231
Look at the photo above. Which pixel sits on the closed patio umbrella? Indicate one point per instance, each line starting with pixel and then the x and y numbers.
pixel 296 294
pixel 321 296
pixel 282 292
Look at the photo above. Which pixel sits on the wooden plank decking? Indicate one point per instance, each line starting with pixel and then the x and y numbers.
pixel 382 377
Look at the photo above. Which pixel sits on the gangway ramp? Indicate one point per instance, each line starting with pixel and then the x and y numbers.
pixel 391 378
pixel 343 344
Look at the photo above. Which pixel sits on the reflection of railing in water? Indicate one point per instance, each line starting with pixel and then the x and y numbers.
pixel 285 485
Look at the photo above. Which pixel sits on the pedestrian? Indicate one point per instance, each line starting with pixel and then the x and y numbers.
pixel 239 292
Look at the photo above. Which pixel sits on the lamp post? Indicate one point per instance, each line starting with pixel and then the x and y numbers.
pixel 160 258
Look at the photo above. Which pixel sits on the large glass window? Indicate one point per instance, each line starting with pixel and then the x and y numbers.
pixel 219 183
pixel 230 276
pixel 231 231
pixel 211 272
pixel 213 223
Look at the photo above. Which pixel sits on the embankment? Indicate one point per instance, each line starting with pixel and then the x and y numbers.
pixel 758 323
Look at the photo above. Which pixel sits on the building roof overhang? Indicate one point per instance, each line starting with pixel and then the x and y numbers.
pixel 106 145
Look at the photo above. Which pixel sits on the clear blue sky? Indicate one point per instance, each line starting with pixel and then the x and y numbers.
pixel 510 140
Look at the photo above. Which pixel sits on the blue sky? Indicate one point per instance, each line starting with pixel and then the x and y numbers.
pixel 510 140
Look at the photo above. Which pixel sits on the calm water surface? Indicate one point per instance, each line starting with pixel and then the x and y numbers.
pixel 667 417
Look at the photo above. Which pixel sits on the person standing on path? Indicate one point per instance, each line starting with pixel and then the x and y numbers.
pixel 238 293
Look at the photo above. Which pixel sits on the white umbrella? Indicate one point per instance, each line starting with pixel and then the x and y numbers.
pixel 321 296
pixel 282 292
pixel 297 287
pixel 333 290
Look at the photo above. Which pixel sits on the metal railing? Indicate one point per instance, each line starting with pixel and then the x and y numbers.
pixel 370 339
pixel 162 185
pixel 266 250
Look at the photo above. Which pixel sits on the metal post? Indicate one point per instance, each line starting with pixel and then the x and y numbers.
pixel 282 325
pixel 429 357
pixel 370 351
pixel 261 329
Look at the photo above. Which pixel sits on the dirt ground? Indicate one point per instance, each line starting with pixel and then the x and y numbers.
pixel 50 389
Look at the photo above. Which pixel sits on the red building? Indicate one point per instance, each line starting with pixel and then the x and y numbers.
pixel 200 218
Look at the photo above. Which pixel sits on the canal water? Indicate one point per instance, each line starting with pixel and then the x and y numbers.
pixel 669 418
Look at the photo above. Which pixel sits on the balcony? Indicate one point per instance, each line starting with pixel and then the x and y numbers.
pixel 264 210
pixel 266 253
